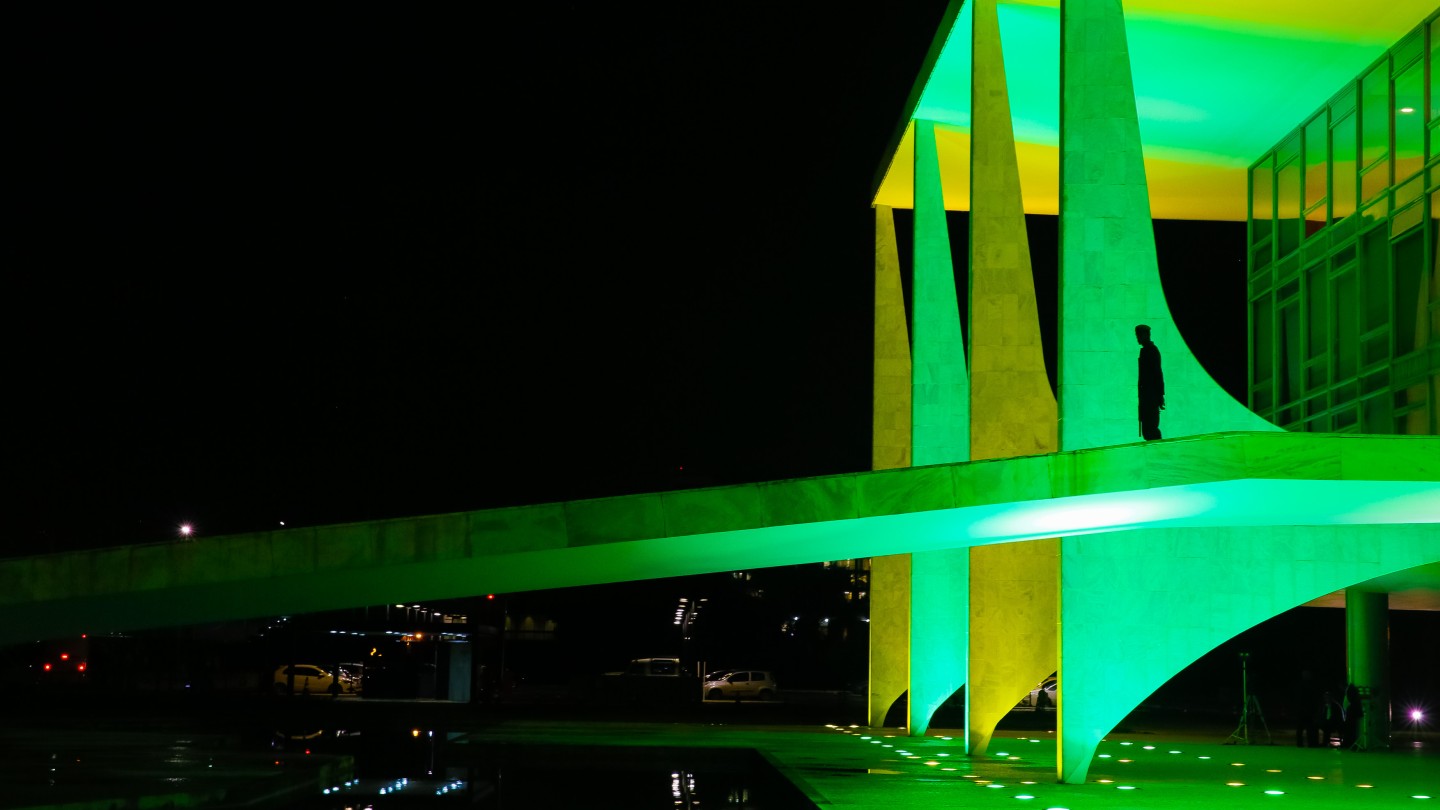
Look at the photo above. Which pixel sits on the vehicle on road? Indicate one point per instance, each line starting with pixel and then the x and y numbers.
pixel 740 684
pixel 654 668
pixel 654 681
pixel 308 679
pixel 1042 696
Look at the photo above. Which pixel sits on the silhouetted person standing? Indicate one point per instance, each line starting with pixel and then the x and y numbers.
pixel 1354 709
pixel 1331 721
pixel 1152 385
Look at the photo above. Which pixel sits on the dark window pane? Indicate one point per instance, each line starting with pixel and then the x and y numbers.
pixel 1261 324
pixel 1260 258
pixel 1409 275
pixel 1375 271
pixel 1317 309
pixel 1344 418
pixel 1287 206
pixel 1289 290
pixel 1260 399
pixel 1289 355
pixel 1376 349
pixel 1347 333
pixel 1376 418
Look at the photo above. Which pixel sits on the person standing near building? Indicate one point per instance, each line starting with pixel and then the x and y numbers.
pixel 1354 715
pixel 1152 385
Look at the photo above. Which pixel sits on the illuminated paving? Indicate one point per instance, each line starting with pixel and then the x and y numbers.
pixel 837 767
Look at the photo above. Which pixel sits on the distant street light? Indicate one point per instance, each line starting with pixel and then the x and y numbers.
pixel 186 530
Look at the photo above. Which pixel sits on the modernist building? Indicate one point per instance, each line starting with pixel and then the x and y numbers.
pixel 1112 117
pixel 1344 278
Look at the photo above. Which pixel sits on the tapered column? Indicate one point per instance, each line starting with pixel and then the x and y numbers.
pixel 889 634
pixel 1014 586
pixel 1138 607
pixel 939 628
pixel 890 449
pixel 941 385
pixel 939 595
pixel 890 435
pixel 1367 662
pixel 1110 280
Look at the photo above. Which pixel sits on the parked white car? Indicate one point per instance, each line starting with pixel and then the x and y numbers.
pixel 1047 687
pixel 740 684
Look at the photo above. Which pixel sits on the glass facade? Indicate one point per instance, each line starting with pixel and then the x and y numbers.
pixel 1345 255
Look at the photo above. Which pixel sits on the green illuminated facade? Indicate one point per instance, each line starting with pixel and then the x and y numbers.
pixel 1344 281
pixel 1144 131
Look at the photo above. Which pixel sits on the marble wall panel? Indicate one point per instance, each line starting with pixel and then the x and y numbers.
pixel 293 552
pixel 805 500
pixel 522 528
pixel 361 544
pixel 893 492
pixel 723 509
pixel 609 520
pixel 152 567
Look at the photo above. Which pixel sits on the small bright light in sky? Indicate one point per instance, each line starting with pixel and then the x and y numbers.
pixel 186 529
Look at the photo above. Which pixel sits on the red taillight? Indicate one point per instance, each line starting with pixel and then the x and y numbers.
pixel 81 667
pixel 47 667
pixel 64 656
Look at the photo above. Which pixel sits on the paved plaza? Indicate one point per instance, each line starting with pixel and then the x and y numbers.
pixel 858 767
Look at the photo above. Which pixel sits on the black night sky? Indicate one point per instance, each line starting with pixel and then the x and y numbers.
pixel 317 265
pixel 321 264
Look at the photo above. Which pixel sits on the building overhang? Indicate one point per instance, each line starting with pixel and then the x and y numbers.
pixel 1217 84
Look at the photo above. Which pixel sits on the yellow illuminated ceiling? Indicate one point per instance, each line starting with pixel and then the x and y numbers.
pixel 1216 83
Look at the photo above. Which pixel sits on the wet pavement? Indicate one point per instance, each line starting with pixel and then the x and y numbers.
pixel 318 753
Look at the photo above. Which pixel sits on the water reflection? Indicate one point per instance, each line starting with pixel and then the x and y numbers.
pixel 425 767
